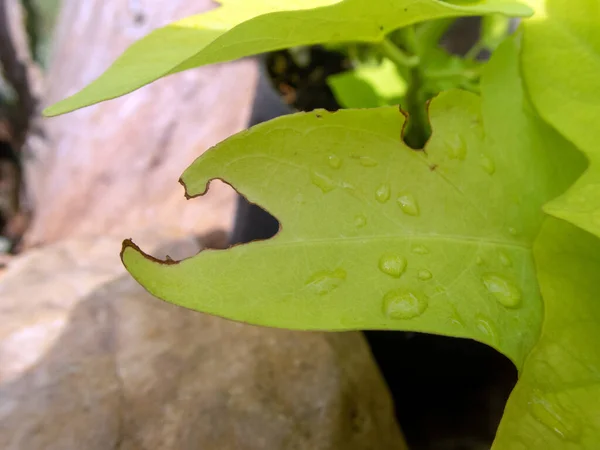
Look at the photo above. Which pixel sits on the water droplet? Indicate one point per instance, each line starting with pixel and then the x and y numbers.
pixel 505 260
pixel 504 290
pixel 457 148
pixel 486 327
pixel 365 161
pixel 512 231
pixel 479 261
pixel 393 265
pixel 334 161
pixel 488 164
pixel 382 194
pixel 408 204
pixel 323 182
pixel 360 221
pixel 325 281
pixel 455 318
pixel 554 416
pixel 424 275
pixel 368 162
pixel 402 304
pixel 420 250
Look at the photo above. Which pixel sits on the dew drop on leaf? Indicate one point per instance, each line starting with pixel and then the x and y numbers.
pixel 455 318
pixel 323 182
pixel 424 275
pixel 456 321
pixel 334 161
pixel 408 204
pixel 325 281
pixel 420 250
pixel 392 265
pixel 366 161
pixel 505 260
pixel 487 328
pixel 457 149
pixel 382 194
pixel 502 289
pixel 487 164
pixel 553 416
pixel 402 304
pixel 360 221
pixel 512 231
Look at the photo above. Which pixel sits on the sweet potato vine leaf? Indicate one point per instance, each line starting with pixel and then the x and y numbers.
pixel 556 403
pixel 376 235
pixel 241 28
pixel 561 63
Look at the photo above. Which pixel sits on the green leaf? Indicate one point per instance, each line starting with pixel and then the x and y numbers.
pixel 561 63
pixel 443 71
pixel 376 235
pixel 556 403
pixel 240 28
pixel 369 86
pixel 494 29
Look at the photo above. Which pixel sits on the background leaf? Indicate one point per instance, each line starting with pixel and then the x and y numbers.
pixel 556 403
pixel 561 63
pixel 369 86
pixel 240 28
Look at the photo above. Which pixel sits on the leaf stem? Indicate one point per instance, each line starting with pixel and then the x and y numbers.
pixel 418 129
pixel 448 73
pixel 397 55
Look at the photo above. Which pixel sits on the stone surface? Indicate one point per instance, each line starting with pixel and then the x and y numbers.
pixel 89 360
pixel 113 167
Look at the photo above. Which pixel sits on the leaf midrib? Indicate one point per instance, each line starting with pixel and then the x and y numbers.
pixel 278 240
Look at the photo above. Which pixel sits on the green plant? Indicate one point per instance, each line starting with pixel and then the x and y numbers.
pixel 489 232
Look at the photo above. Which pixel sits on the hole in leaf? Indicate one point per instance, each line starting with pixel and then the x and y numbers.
pixel 252 223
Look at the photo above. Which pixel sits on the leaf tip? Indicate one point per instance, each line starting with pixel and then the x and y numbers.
pixel 52 111
pixel 64 106
pixel 130 252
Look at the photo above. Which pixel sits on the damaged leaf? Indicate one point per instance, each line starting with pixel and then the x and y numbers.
pixel 378 236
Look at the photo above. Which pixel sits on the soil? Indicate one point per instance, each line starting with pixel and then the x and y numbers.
pixel 304 86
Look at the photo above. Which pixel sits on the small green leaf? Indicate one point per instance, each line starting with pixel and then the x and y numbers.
pixel 561 63
pixel 376 235
pixel 240 28
pixel 369 86
pixel 556 403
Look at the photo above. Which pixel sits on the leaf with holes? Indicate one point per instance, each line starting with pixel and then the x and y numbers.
pixel 240 28
pixel 376 235
pixel 567 94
